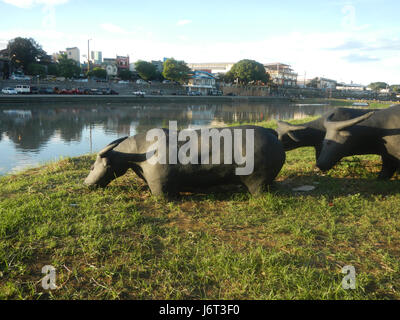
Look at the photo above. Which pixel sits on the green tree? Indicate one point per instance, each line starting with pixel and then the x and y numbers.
pixel 24 51
pixel 67 67
pixel 125 75
pixel 395 88
pixel 52 69
pixel 246 71
pixel 376 86
pixel 146 70
pixel 36 69
pixel 98 73
pixel 176 70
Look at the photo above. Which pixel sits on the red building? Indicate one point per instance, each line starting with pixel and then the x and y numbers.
pixel 122 63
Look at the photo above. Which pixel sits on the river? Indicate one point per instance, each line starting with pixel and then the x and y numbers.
pixel 34 134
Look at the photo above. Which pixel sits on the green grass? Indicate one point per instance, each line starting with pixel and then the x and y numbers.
pixel 123 243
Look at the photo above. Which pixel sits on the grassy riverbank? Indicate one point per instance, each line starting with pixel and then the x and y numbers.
pixel 122 243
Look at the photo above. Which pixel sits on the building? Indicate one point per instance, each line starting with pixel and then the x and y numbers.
pixel 96 57
pixel 74 54
pixel 110 65
pixel 122 63
pixel 158 64
pixel 281 74
pixel 212 67
pixel 321 83
pixel 350 87
pixel 202 82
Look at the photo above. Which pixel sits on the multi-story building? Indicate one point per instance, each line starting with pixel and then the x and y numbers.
pixel 158 64
pixel 96 57
pixel 202 82
pixel 110 65
pixel 212 67
pixel 281 74
pixel 74 54
pixel 122 63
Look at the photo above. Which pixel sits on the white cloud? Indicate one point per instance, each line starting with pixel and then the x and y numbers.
pixel 112 28
pixel 181 23
pixel 30 3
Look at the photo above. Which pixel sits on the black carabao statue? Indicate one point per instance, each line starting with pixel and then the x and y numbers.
pixel 168 179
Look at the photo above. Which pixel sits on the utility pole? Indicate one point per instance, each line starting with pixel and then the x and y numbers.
pixel 88 57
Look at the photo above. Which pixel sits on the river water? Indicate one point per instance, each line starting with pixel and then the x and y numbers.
pixel 35 134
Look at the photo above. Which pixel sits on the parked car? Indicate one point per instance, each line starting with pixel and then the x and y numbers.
pixel 81 80
pixel 19 77
pixel 34 90
pixel 166 81
pixel 108 91
pixel 139 93
pixel 95 92
pixel 9 91
pixel 194 93
pixel 23 88
pixel 141 81
pixel 215 93
pixel 46 90
pixel 123 81
pixel 66 91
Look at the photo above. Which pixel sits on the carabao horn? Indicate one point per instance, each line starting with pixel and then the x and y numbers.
pixel 111 146
pixel 340 125
pixel 289 127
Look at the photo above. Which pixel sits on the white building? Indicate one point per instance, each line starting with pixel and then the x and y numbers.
pixel 281 74
pixel 350 87
pixel 212 67
pixel 74 54
pixel 96 57
pixel 110 65
pixel 203 82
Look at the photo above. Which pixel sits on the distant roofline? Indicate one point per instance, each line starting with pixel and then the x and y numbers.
pixel 211 62
pixel 276 63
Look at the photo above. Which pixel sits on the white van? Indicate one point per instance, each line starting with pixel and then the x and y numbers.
pixel 23 88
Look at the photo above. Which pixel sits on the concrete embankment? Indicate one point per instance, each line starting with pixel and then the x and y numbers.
pixel 42 99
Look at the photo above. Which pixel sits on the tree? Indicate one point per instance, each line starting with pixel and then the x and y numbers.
pixel 36 69
pixel 125 75
pixel 176 70
pixel 395 88
pixel 146 70
pixel 98 73
pixel 376 86
pixel 24 51
pixel 52 69
pixel 246 71
pixel 67 67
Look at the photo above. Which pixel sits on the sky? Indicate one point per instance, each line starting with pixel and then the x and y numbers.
pixel 355 40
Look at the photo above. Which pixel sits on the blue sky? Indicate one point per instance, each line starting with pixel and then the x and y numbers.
pixel 356 40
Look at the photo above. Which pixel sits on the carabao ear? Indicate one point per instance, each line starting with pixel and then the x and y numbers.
pixel 340 125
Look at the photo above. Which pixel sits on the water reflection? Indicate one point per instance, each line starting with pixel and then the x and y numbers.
pixel 33 134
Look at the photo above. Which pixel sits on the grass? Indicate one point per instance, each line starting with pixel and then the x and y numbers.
pixel 123 243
